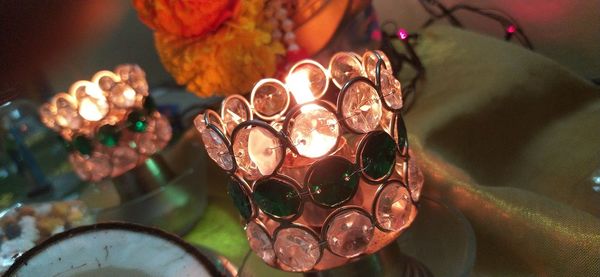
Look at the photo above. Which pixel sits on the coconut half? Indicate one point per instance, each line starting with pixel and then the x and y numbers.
pixel 116 250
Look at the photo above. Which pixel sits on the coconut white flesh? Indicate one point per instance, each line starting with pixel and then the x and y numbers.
pixel 115 253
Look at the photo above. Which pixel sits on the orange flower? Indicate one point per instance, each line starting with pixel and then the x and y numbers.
pixel 227 61
pixel 186 18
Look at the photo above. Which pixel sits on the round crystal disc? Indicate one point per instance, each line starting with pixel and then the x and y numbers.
pixel 235 110
pixel 393 207
pixel 123 96
pixel 258 151
pixel 216 148
pixel 209 115
pixel 386 121
pixel 391 89
pixel 260 242
pixel 349 233
pixel 344 66
pixel 66 112
pixel 314 131
pixel 297 249
pixel 307 76
pixel 369 61
pixel 270 99
pixel 415 179
pixel 361 107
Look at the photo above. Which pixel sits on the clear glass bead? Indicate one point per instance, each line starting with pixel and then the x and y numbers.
pixel 370 60
pixel 315 131
pixel 391 90
pixel 297 249
pixel 270 98
pixel 415 178
pixel 217 149
pixel 234 111
pixel 343 67
pixel 260 243
pixel 349 233
pixel 361 107
pixel 393 207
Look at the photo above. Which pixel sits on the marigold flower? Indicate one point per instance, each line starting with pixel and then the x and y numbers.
pixel 226 61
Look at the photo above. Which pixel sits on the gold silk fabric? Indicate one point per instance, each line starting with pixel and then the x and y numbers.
pixel 512 139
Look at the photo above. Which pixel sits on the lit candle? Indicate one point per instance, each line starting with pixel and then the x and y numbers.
pixel 92 101
pixel 299 84
pixel 315 130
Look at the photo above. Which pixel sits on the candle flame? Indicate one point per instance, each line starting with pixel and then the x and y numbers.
pixel 92 103
pixel 299 84
pixel 90 110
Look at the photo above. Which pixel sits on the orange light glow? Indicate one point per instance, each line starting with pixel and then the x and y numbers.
pixel 299 84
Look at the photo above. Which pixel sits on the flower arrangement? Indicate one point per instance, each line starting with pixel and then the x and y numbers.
pixel 214 47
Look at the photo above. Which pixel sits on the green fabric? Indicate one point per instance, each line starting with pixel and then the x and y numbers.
pixel 220 227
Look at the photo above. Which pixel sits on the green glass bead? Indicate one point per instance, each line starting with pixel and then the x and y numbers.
pixel 378 156
pixel 149 105
pixel 240 199
pixel 332 181
pixel 108 135
pixel 276 198
pixel 83 145
pixel 401 135
pixel 137 121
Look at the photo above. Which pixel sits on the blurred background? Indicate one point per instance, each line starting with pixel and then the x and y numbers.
pixel 47 44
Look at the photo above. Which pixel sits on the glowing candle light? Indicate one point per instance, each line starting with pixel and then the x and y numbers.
pixel 299 84
pixel 92 101
pixel 327 151
pixel 315 130
pixel 89 110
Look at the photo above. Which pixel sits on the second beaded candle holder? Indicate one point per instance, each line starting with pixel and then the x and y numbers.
pixel 110 123
pixel 318 184
pixel 116 138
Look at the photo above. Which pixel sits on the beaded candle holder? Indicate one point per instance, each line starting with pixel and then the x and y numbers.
pixel 318 184
pixel 109 124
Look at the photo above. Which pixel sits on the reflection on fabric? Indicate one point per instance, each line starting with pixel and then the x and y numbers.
pixel 512 139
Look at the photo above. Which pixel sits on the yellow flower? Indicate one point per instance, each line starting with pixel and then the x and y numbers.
pixel 227 61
